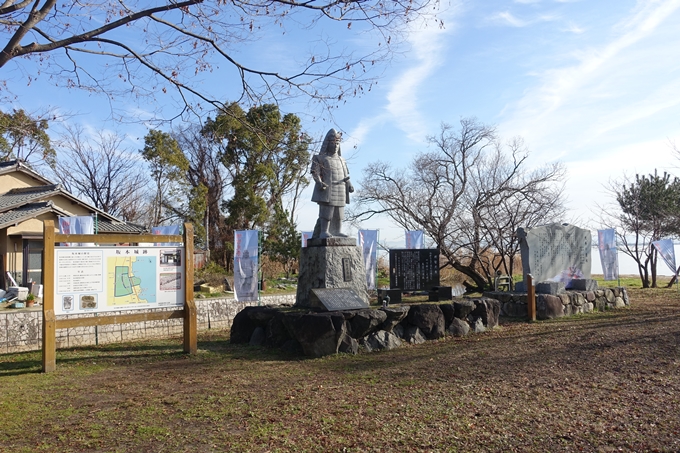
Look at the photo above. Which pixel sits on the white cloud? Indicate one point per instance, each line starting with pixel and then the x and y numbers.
pixel 427 42
pixel 427 46
pixel 507 18
pixel 578 91
pixel 573 28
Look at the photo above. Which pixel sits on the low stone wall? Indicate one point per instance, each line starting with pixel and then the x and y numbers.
pixel 21 330
pixel 564 304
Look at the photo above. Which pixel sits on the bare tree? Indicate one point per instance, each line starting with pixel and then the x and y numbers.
pixel 99 170
pixel 469 195
pixel 152 49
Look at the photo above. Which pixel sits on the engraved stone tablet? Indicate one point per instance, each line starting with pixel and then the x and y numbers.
pixel 555 252
pixel 335 299
pixel 414 269
pixel 347 269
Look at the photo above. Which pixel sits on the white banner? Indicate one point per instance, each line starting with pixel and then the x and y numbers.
pixel 169 229
pixel 368 241
pixel 609 257
pixel 76 225
pixel 305 236
pixel 414 239
pixel 246 245
pixel 667 251
pixel 98 279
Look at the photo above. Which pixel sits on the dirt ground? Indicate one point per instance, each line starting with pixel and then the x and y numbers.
pixel 597 382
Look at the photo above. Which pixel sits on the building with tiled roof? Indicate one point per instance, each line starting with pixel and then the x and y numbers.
pixel 26 200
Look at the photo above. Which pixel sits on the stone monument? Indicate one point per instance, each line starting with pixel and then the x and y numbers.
pixel 331 259
pixel 555 253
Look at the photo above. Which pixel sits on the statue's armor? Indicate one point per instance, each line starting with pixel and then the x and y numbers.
pixel 332 171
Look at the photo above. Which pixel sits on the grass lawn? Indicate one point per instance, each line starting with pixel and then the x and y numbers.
pixel 598 382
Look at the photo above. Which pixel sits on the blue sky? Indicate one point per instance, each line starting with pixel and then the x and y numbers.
pixel 594 84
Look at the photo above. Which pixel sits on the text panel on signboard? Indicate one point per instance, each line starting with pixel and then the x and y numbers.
pixel 100 279
pixel 414 269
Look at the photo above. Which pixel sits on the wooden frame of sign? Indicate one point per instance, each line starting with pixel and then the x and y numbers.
pixel 51 323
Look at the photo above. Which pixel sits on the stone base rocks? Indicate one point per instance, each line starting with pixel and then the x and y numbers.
pixel 318 334
pixel 566 303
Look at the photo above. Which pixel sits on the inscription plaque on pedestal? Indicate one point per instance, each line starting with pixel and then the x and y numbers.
pixel 335 299
pixel 347 269
pixel 414 269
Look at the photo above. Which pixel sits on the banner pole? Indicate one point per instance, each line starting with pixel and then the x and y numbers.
pixel 260 282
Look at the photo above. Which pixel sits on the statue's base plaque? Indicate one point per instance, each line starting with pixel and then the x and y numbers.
pixel 336 299
pixel 338 266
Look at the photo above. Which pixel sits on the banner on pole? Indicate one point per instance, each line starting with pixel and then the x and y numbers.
pixel 169 229
pixel 305 236
pixel 246 245
pixel 414 239
pixel 667 251
pixel 83 224
pixel 609 257
pixel 368 240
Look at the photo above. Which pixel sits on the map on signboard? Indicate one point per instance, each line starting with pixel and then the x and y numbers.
pixel 132 280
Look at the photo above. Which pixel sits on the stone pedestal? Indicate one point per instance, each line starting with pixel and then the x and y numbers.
pixel 333 262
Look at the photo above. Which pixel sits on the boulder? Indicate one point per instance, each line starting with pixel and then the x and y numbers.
pixel 262 315
pixel 366 321
pixel 292 347
pixel 609 295
pixel 381 340
pixel 579 299
pixel 548 307
pixel 590 296
pixel 477 324
pixel 489 310
pixel 242 326
pixel 276 333
pixel 588 307
pixel 398 330
pixel 319 334
pixel 413 335
pixel 458 328
pixel 565 298
pixel 395 315
pixel 461 309
pixel 348 345
pixel 429 319
pixel 449 314
pixel 619 303
pixel 515 310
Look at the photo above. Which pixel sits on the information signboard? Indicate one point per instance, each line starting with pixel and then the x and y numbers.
pixel 414 269
pixel 100 279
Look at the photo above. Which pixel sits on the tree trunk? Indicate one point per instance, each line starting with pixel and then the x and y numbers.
pixel 479 280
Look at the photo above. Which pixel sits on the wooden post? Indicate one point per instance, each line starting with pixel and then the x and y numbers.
pixel 49 327
pixel 190 327
pixel 531 298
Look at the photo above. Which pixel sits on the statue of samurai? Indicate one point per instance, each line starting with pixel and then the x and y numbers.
pixel 332 187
